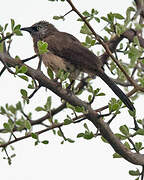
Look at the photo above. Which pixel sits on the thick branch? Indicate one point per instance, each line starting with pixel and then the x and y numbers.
pixel 68 96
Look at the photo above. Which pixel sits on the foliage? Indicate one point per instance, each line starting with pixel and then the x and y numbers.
pixel 129 73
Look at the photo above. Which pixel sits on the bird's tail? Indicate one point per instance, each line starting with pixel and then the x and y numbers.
pixel 116 90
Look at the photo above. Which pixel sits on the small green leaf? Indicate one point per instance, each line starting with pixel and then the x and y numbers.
pixel 79 109
pixel 23 77
pixel 12 24
pixel 7 126
pixel 70 140
pixel 48 103
pixel 138 146
pixel 86 127
pixel 105 19
pixel 134 173
pixel 45 142
pixel 127 145
pixel 23 92
pixel 140 132
pixel 124 129
pixel 86 13
pixel 58 17
pixel 132 113
pixel 1 28
pixel 39 108
pixel 18 32
pixel 27 124
pixel 50 73
pixel 67 121
pixel 116 155
pixel 118 16
pixel 19 106
pixel 23 69
pixel 42 47
pixel 88 135
pixel 59 133
pixel 12 109
pixel 80 135
pixel 2 110
pixel 104 140
pixel 85 30
pixel 34 136
pixel 88 39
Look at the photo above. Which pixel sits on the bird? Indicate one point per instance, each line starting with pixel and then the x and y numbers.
pixel 66 52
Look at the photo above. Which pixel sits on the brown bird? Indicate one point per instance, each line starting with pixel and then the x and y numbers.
pixel 67 53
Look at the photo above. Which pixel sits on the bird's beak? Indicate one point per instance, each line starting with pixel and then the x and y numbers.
pixel 28 29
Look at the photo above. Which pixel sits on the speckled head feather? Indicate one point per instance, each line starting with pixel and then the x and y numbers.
pixel 40 29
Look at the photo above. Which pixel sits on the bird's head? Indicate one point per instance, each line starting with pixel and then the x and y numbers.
pixel 40 30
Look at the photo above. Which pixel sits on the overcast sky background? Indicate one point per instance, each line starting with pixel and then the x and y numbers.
pixel 83 159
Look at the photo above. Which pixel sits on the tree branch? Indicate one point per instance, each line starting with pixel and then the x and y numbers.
pixel 69 97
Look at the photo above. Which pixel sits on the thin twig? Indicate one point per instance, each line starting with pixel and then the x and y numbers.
pixel 6 37
pixel 28 59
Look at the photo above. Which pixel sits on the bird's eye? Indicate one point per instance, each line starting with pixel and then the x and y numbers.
pixel 36 28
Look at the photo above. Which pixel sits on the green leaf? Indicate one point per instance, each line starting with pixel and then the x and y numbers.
pixel 105 19
pixel 124 129
pixel 18 32
pixel 132 113
pixel 23 69
pixel 5 27
pixel 116 155
pixel 85 30
pixel 127 145
pixel 12 109
pixel 1 28
pixel 104 140
pixel 12 24
pixel 42 47
pixel 48 103
pixel 134 173
pixel 80 135
pixel 118 16
pixel 45 142
pixel 70 106
pixel 140 132
pixel 19 106
pixel 27 124
pixel 88 135
pixel 23 92
pixel 2 110
pixel 34 136
pixel 67 121
pixel 88 39
pixel 50 73
pixel 86 127
pixel 114 105
pixel 86 13
pixel 7 127
pixel 23 77
pixel 59 133
pixel 138 146
pixel 70 140
pixel 39 108
pixel 79 109
pixel 58 17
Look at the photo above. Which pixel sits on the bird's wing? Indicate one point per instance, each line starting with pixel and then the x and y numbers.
pixel 68 47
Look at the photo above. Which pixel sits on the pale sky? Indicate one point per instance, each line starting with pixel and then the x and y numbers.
pixel 86 160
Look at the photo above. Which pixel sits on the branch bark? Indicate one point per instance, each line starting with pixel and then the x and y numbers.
pixel 68 96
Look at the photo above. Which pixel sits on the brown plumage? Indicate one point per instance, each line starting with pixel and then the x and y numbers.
pixel 67 53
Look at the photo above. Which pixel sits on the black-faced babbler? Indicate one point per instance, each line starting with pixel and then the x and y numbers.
pixel 67 53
